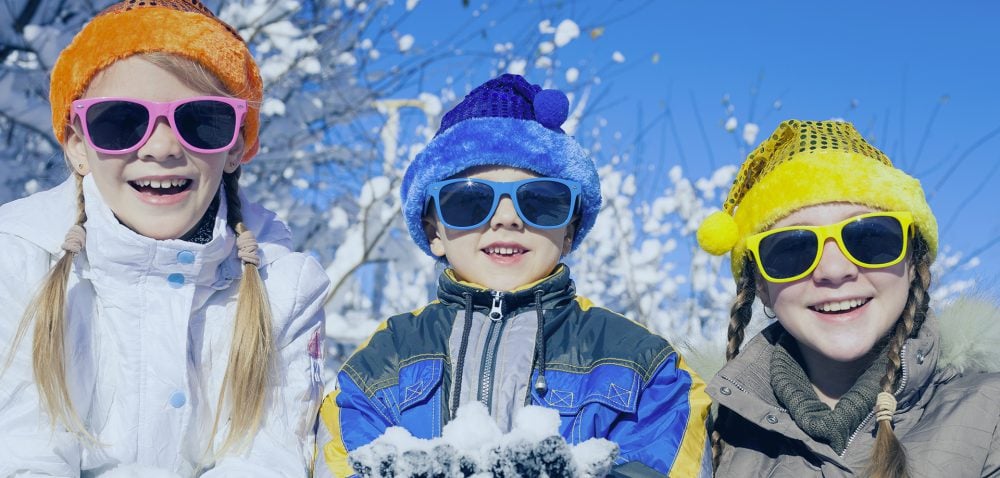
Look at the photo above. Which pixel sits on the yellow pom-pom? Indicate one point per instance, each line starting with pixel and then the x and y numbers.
pixel 718 233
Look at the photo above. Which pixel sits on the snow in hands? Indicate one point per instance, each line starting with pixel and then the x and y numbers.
pixel 472 445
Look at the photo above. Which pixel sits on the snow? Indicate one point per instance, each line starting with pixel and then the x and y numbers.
pixel 731 124
pixel 405 42
pixel 617 57
pixel 572 74
pixel 473 445
pixel 750 131
pixel 517 67
pixel 566 32
pixel 545 27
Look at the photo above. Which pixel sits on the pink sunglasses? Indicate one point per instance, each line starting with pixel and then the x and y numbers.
pixel 203 124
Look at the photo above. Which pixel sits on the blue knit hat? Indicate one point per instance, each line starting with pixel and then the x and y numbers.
pixel 503 122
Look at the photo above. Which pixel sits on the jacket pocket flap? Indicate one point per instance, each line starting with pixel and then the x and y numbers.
pixel 417 381
pixel 612 385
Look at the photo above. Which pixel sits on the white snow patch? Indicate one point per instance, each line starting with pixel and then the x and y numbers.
pixel 546 47
pixel 545 27
pixel 750 131
pixel 566 32
pixel 405 43
pixel 517 67
pixel 617 57
pixel 572 75
pixel 272 107
pixel 472 442
pixel 731 124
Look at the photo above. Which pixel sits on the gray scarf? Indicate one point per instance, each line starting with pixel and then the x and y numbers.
pixel 795 392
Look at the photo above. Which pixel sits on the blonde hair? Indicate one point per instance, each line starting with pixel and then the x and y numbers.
pixel 252 350
pixel 888 459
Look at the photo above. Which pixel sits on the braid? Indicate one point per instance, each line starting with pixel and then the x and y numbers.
pixel 888 458
pixel 47 312
pixel 739 317
pixel 252 349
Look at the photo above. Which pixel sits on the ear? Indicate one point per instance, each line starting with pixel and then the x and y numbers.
pixel 76 151
pixel 234 157
pixel 433 238
pixel 568 240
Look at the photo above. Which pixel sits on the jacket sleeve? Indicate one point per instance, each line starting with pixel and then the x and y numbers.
pixel 668 435
pixel 285 443
pixel 29 446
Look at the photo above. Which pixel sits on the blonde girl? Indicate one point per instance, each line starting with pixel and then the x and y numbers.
pixel 837 244
pixel 156 318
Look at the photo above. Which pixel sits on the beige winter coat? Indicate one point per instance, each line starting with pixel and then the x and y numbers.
pixel 946 421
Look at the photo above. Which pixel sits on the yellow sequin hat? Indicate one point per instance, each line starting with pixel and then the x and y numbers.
pixel 805 163
pixel 181 27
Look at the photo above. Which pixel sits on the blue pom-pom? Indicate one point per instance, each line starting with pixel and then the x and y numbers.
pixel 551 108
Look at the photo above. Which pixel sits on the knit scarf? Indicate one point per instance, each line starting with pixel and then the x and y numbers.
pixel 795 392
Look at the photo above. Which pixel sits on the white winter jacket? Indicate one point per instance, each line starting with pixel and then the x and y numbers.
pixel 148 338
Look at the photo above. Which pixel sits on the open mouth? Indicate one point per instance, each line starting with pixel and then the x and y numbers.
pixel 840 307
pixel 160 187
pixel 504 251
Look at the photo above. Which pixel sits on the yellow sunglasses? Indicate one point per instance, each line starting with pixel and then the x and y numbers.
pixel 874 240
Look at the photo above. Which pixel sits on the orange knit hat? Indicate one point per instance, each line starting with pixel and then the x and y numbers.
pixel 185 28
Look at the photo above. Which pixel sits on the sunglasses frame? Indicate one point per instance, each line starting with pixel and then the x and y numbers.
pixel 501 189
pixel 156 110
pixel 835 232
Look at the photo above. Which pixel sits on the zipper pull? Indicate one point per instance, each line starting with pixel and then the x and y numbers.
pixel 496 311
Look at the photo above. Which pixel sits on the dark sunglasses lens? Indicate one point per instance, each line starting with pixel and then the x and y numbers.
pixel 116 125
pixel 545 203
pixel 874 240
pixel 465 204
pixel 206 124
pixel 787 253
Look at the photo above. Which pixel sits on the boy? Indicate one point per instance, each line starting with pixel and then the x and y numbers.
pixel 501 194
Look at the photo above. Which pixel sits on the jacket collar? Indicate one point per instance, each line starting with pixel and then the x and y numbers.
pixel 44 217
pixel 114 250
pixel 555 289
pixel 744 384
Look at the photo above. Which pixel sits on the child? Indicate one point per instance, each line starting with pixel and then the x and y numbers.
pixel 838 244
pixel 165 335
pixel 502 194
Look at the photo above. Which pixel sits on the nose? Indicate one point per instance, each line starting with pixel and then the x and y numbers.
pixel 834 267
pixel 506 215
pixel 162 143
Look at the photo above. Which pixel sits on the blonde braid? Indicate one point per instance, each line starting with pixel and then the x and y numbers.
pixel 252 350
pixel 47 312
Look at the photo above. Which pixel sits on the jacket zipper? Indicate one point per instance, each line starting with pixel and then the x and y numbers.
pixel 489 360
pixel 902 384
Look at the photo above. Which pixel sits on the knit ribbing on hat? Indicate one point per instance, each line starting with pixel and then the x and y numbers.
pixel 186 29
pixel 794 391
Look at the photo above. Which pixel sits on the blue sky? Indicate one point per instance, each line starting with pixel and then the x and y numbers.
pixel 918 78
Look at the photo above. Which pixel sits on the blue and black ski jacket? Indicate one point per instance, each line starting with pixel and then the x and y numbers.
pixel 607 376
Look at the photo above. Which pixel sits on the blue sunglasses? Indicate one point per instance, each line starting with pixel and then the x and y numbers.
pixel 468 203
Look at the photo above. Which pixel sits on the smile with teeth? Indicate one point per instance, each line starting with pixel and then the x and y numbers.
pixel 160 186
pixel 840 306
pixel 504 251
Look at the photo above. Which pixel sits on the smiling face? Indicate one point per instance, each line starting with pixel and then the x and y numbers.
pixel 503 254
pixel 162 189
pixel 841 310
